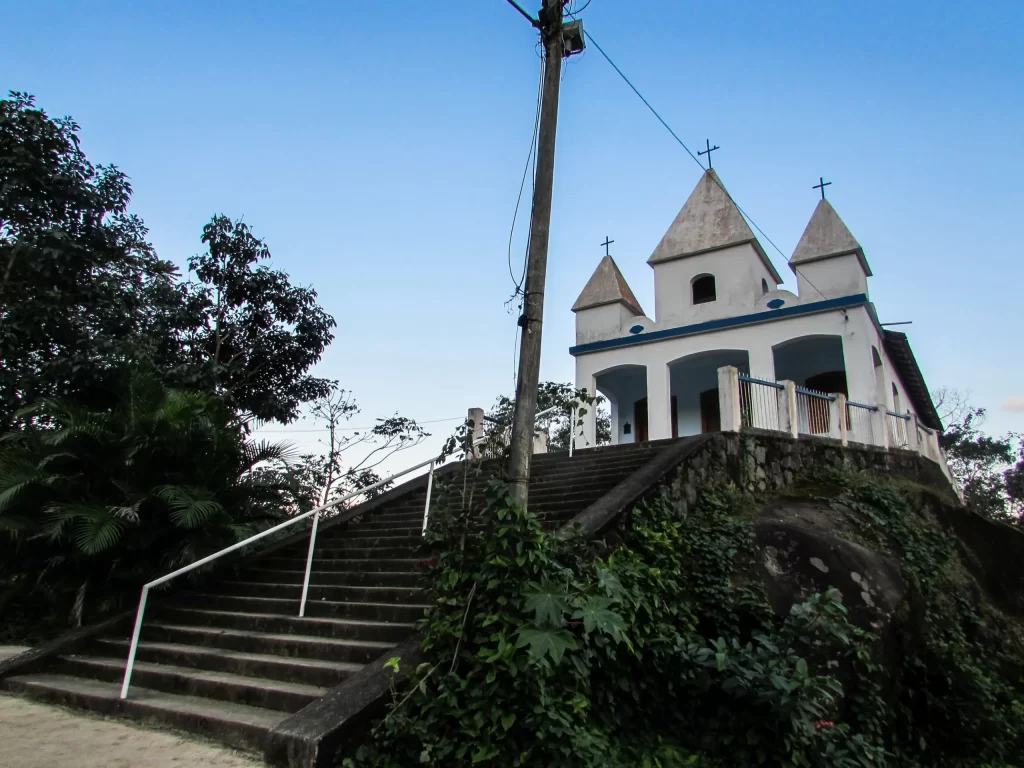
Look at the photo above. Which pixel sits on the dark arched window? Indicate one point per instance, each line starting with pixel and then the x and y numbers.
pixel 704 289
pixel 764 286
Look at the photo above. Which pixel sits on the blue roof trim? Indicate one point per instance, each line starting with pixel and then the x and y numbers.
pixel 716 325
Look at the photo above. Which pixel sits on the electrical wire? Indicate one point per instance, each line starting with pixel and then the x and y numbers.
pixel 696 159
pixel 530 159
pixel 344 429
pixel 573 12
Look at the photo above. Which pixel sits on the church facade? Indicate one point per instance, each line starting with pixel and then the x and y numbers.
pixel 718 304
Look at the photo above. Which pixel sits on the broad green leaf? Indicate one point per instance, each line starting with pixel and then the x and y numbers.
pixel 549 642
pixel 596 615
pixel 548 602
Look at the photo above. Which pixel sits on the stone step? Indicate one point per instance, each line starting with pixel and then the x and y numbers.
pixel 344 593
pixel 391 517
pixel 575 474
pixel 320 564
pixel 316 607
pixel 259 665
pixel 376 540
pixel 209 684
pixel 338 550
pixel 374 530
pixel 312 626
pixel 319 577
pixel 291 646
pixel 238 725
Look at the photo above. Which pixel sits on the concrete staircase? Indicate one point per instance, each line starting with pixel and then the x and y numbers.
pixel 231 660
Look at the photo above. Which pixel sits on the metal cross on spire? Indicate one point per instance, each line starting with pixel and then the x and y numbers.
pixel 709 149
pixel 821 185
pixel 606 243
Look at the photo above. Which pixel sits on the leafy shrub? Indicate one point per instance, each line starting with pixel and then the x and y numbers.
pixel 541 651
pixel 93 504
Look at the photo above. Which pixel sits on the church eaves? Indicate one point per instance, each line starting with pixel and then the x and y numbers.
pixel 607 286
pixel 827 236
pixel 708 221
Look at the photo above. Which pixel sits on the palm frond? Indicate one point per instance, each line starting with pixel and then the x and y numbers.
pixel 17 475
pixel 189 507
pixel 257 452
pixel 98 531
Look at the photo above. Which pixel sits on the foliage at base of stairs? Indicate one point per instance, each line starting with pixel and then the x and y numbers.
pixel 229 658
pixel 665 651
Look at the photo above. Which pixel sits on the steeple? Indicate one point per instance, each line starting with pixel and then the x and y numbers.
pixel 826 236
pixel 708 221
pixel 607 286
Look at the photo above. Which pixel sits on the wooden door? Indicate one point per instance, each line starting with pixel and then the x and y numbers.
pixel 640 420
pixel 830 382
pixel 710 415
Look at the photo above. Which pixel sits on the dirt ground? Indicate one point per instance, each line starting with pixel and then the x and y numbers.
pixel 40 736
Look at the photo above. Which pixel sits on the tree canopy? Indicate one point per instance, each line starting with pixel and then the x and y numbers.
pixel 82 291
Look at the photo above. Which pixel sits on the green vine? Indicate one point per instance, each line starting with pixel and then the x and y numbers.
pixel 957 692
pixel 660 652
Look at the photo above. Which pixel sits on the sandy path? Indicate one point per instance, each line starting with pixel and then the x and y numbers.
pixel 41 736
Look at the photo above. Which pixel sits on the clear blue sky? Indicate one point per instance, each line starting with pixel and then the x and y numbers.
pixel 378 147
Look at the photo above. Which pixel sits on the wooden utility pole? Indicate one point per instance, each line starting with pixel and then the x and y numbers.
pixel 551 30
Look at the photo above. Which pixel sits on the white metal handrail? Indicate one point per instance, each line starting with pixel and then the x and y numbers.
pixel 485 438
pixel 314 513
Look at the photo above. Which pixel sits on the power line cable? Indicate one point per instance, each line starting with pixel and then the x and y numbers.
pixel 675 136
pixel 344 429
pixel 522 184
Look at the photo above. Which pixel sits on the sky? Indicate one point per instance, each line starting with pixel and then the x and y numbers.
pixel 379 147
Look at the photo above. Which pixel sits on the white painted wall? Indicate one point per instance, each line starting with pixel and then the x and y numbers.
pixel 738 272
pixel 831 278
pixel 854 326
pixel 605 322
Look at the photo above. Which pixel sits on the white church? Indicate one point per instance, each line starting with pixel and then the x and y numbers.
pixel 719 308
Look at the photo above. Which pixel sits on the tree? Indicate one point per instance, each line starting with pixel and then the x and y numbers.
pixel 981 464
pixel 94 503
pixel 321 478
pixel 82 292
pixel 558 422
pixel 249 335
pixel 80 288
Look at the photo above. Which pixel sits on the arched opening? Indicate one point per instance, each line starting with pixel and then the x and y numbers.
pixel 693 381
pixel 764 286
pixel 896 405
pixel 879 371
pixel 813 363
pixel 626 389
pixel 703 289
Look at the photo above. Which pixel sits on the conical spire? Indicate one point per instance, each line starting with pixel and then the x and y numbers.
pixel 826 236
pixel 708 221
pixel 607 286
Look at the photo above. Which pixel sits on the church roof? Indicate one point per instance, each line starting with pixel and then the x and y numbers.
pixel 708 221
pixel 607 286
pixel 827 236
pixel 898 348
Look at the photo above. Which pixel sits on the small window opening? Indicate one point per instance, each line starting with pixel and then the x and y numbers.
pixel 764 286
pixel 704 289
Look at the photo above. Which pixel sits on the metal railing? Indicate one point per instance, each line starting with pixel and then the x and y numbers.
pixel 497 441
pixel 897 424
pixel 759 403
pixel 313 513
pixel 813 417
pixel 859 418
